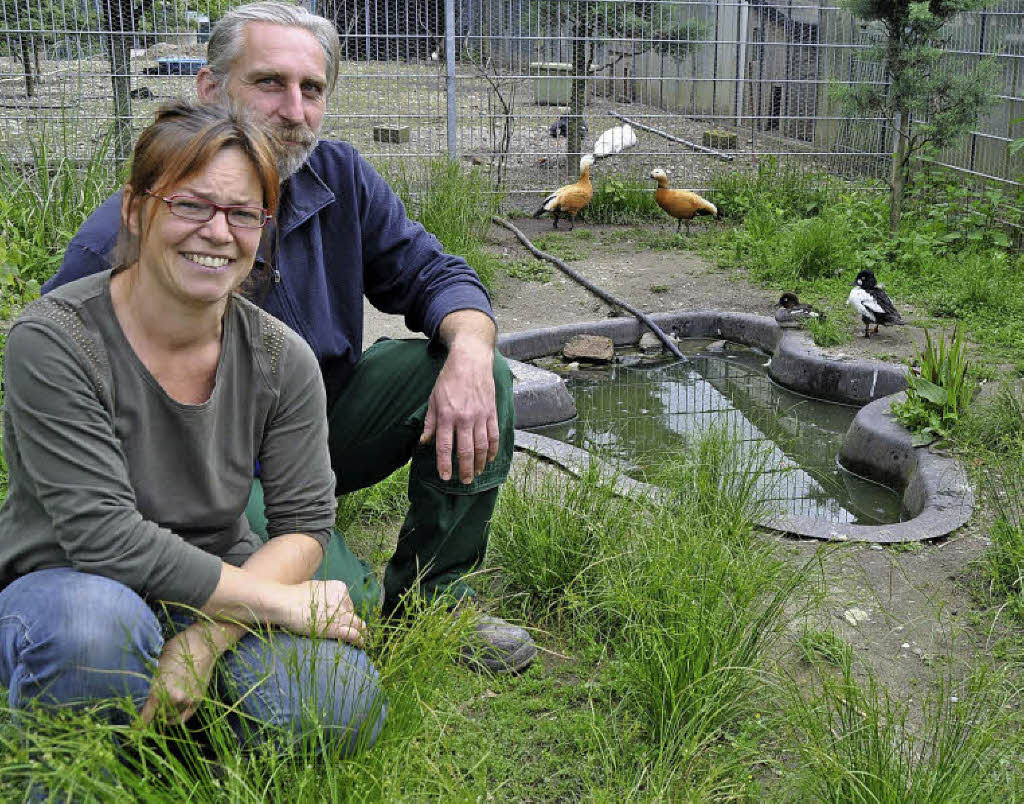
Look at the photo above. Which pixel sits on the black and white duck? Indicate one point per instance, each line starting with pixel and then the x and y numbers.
pixel 790 311
pixel 873 303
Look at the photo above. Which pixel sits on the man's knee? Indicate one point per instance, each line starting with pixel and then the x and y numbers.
pixel 503 391
pixel 83 638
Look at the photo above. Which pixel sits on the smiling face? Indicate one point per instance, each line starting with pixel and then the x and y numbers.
pixel 198 264
pixel 280 75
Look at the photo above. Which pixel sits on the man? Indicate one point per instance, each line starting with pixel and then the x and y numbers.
pixel 341 233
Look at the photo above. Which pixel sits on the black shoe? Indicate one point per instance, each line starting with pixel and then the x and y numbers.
pixel 495 645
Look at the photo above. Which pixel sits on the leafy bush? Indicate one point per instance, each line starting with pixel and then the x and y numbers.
pixel 816 248
pixel 15 290
pixel 940 395
pixel 619 201
pixel 790 190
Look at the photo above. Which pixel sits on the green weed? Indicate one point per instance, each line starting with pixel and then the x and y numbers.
pixel 995 425
pixel 547 537
pixel 529 270
pixel 855 744
pixel 620 201
pixel 791 191
pixel 940 395
pixel 823 646
pixel 456 206
pixel 827 331
pixel 382 502
pixel 41 207
pixel 561 245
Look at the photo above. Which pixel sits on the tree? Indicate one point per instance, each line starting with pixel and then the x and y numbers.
pixel 647 24
pixel 927 105
pixel 31 22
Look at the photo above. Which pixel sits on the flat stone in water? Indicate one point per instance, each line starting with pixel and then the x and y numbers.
pixel 649 342
pixel 591 348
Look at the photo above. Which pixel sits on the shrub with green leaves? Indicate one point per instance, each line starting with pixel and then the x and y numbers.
pixel 620 201
pixel 940 395
pixel 15 289
pixel 794 192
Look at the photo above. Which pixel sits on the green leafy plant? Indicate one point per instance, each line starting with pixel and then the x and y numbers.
pixel 940 395
pixel 618 201
pixel 16 290
pixel 826 331
pixel 530 270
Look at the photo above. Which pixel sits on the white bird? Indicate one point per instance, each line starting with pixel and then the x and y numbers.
pixel 614 141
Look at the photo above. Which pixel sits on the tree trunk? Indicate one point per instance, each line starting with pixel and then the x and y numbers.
pixel 578 98
pixel 901 122
pixel 26 60
pixel 118 18
pixel 899 172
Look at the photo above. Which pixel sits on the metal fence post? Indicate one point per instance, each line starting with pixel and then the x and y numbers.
pixel 449 53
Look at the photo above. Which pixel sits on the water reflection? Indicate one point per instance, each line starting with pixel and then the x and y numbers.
pixel 636 415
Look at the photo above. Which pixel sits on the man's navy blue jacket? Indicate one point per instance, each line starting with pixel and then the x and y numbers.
pixel 342 233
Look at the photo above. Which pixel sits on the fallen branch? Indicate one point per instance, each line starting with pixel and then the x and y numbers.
pixel 606 297
pixel 687 143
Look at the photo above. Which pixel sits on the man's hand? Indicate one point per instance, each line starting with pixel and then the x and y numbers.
pixel 182 676
pixel 462 413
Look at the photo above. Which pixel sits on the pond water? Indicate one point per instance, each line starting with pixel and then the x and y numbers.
pixel 634 413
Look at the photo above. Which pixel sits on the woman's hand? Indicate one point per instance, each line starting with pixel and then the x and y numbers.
pixel 323 609
pixel 182 676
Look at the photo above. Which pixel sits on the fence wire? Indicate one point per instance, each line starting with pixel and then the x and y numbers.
pixel 489 80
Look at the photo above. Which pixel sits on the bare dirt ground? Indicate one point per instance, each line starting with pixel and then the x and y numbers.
pixel 907 612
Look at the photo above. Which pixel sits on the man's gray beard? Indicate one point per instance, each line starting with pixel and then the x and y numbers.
pixel 290 160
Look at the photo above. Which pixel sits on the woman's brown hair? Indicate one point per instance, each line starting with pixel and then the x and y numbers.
pixel 182 140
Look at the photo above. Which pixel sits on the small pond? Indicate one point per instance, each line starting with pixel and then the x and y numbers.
pixel 632 414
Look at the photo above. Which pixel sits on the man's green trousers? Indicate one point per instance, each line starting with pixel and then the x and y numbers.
pixel 375 426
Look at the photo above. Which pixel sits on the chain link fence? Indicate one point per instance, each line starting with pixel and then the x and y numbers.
pixel 708 86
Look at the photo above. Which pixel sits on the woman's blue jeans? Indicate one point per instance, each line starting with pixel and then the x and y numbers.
pixel 68 637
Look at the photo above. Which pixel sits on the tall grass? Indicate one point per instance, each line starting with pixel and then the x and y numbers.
pixel 83 755
pixel 456 206
pixel 42 205
pixel 683 595
pixel 991 439
pixel 855 743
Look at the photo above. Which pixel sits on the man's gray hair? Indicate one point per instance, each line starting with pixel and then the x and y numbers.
pixel 227 35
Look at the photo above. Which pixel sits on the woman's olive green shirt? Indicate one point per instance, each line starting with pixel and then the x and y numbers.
pixel 110 475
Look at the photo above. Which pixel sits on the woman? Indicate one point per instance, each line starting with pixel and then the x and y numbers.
pixel 137 403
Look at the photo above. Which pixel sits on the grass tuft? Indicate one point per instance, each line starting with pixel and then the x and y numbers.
pixel 456 206
pixel 855 742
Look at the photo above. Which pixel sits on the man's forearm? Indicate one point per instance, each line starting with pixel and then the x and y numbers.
pixel 467 326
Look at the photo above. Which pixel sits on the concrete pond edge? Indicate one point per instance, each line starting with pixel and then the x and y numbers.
pixel 935 488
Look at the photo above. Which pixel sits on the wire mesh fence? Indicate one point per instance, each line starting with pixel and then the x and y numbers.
pixel 708 86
